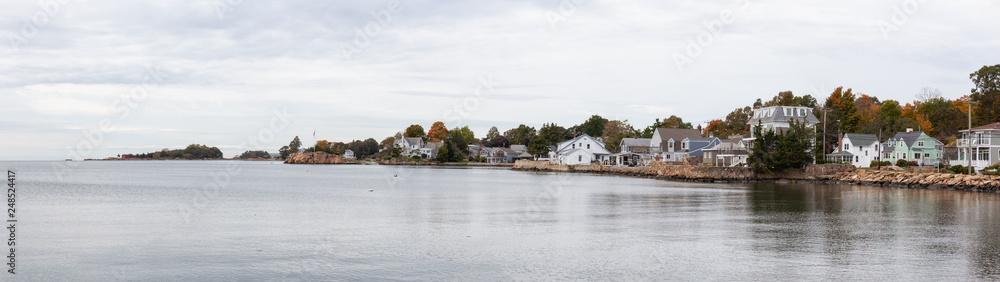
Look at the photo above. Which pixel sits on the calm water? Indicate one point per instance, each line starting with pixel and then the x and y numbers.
pixel 157 221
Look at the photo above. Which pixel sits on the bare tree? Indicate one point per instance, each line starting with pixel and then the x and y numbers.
pixel 928 93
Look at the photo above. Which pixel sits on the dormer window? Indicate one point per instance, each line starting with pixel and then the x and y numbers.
pixel 588 146
pixel 802 112
pixel 788 112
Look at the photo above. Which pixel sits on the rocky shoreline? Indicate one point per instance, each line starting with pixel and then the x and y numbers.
pixel 317 158
pixel 824 174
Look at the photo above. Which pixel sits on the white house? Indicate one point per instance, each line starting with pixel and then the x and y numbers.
pixel 349 154
pixel 583 149
pixel 777 119
pixel 667 143
pixel 985 146
pixel 858 149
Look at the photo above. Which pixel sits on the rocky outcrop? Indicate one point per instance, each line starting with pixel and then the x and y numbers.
pixel 317 158
pixel 826 173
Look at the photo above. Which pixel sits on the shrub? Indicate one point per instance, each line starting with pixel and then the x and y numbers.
pixel 875 163
pixel 901 163
pixel 912 163
pixel 958 169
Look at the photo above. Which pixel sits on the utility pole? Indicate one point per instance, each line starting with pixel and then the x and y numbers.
pixel 969 139
pixel 825 110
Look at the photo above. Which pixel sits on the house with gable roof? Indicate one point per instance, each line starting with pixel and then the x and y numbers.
pixel 583 149
pixel 668 144
pixel 857 149
pixel 913 146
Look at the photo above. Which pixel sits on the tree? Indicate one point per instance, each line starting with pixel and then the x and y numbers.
pixel 944 116
pixel 986 94
pixel 772 152
pixel 841 104
pixel 388 142
pixel 928 93
pixel 553 134
pixel 490 136
pixel 671 122
pixel 868 107
pixel 454 148
pixel 323 146
pixel 615 131
pixel 520 135
pixel 438 132
pixel 415 130
pixel 786 98
pixel 293 147
pixel 466 134
pixel 594 126
pixel 283 152
pixel 538 145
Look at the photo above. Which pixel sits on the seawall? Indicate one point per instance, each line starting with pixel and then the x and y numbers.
pixel 826 173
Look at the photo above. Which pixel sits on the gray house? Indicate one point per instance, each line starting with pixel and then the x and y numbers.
pixel 985 142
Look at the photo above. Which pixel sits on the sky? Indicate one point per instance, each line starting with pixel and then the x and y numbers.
pixel 99 78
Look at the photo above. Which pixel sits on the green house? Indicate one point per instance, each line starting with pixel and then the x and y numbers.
pixel 913 146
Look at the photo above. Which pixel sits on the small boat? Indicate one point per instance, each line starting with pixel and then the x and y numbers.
pixel 371 189
pixel 68 160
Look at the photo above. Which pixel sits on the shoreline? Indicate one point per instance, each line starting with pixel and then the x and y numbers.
pixel 817 174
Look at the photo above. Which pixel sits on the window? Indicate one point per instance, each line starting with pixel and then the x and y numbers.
pixel 888 156
pixel 788 112
pixel 579 158
pixel 847 146
pixel 920 143
pixel 866 153
pixel 684 145
pixel 916 156
pixel 572 146
pixel 588 146
pixel 927 155
pixel 667 156
pixel 802 112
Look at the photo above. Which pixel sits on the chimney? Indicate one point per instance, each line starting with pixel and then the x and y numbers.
pixel 840 142
pixel 908 130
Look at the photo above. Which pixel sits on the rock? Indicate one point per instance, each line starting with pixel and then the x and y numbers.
pixel 317 158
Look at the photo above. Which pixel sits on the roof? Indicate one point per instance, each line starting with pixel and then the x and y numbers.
pixel 992 126
pixel 726 144
pixel 777 114
pixel 636 142
pixel 841 153
pixel 433 145
pixel 704 139
pixel 677 134
pixel 413 140
pixel 909 137
pixel 861 139
pixel 519 148
pixel 581 137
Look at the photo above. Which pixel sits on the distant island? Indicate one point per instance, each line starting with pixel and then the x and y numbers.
pixel 192 152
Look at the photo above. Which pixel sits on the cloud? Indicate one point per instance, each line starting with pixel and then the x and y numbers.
pixel 225 70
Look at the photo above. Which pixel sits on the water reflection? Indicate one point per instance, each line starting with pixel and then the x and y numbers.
pixel 859 225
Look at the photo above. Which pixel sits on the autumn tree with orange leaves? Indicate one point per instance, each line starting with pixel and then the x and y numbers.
pixel 437 132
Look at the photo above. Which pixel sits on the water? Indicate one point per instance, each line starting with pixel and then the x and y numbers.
pixel 169 220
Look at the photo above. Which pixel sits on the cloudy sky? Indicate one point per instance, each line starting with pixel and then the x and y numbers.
pixel 98 78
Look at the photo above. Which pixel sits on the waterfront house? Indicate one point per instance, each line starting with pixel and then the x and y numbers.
pixel 692 147
pixel 913 146
pixel 857 149
pixel 519 148
pixel 430 149
pixel 583 149
pixel 985 141
pixel 778 118
pixel 728 152
pixel 633 152
pixel 667 142
pixel 498 155
pixel 409 146
pixel 349 154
